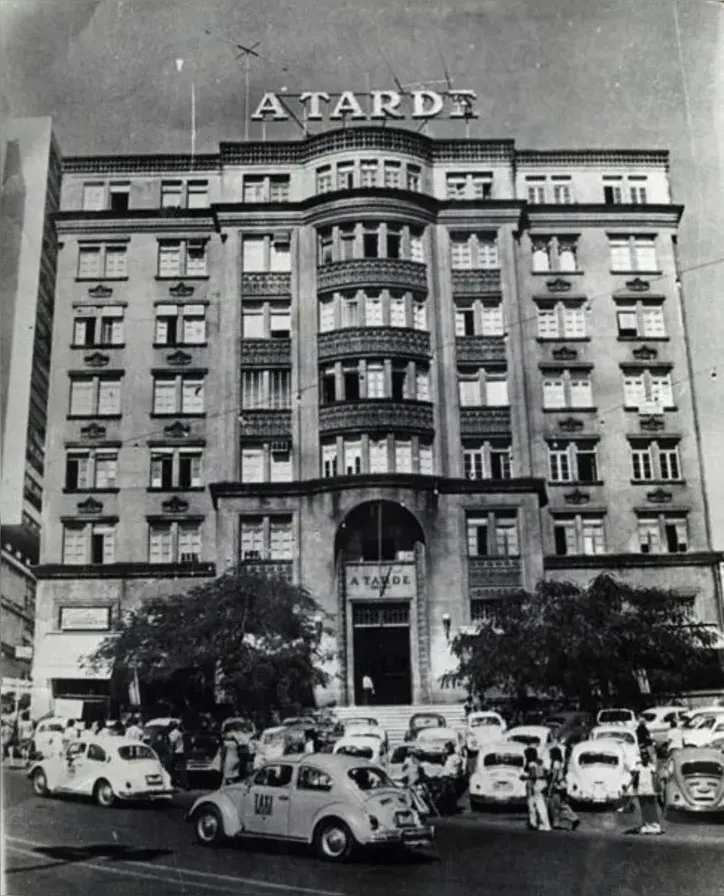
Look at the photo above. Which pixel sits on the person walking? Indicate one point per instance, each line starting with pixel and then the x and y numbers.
pixel 645 741
pixel 230 760
pixel 368 690
pixel 646 788
pixel 535 789
pixel 178 756
pixel 134 730
pixel 562 817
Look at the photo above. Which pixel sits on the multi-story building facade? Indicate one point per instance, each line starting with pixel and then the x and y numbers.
pixel 412 375
pixel 29 197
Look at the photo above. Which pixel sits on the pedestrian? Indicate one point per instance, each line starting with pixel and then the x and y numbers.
pixel 25 735
pixel 230 760
pixel 535 789
pixel 178 756
pixel 134 730
pixel 562 817
pixel 70 734
pixel 645 741
pixel 309 744
pixel 646 787
pixel 368 690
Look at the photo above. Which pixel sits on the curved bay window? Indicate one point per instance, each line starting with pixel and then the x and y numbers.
pixel 374 378
pixel 372 308
pixel 370 239
pixel 376 452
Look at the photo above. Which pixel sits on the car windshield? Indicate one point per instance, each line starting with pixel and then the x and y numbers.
pixel 369 778
pixel 703 767
pixel 273 737
pixel 239 725
pixel 132 752
pixel 356 750
pixel 361 722
pixel 615 715
pixel 530 740
pixel 649 715
pixel 513 760
pixel 622 737
pixel 484 720
pixel 427 722
pixel 591 758
pixel 52 726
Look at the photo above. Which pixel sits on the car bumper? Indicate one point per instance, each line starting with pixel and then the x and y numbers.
pixel 488 799
pixel 418 836
pixel 595 799
pixel 145 794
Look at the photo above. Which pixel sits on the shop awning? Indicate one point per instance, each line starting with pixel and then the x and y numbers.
pixel 63 655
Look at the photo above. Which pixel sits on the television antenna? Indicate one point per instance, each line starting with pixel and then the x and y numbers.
pixel 461 101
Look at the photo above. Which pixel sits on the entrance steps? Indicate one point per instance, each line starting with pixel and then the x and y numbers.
pixel 395 719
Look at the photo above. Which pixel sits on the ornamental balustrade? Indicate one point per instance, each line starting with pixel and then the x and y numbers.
pixel 372 272
pixel 270 423
pixel 266 353
pixel 377 414
pixel 266 284
pixel 485 421
pixel 480 349
pixel 485 573
pixel 360 341
pixel 476 282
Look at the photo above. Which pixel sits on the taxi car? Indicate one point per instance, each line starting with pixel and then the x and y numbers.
pixel 367 745
pixel 336 803
pixel 624 737
pixel 707 729
pixel 109 769
pixel 432 753
pixel 483 727
pixel 47 736
pixel 694 780
pixel 597 772
pixel 497 778
pixel 276 742
pixel 616 716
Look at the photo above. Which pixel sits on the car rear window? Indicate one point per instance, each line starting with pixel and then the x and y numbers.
pixel 369 778
pixel 354 750
pixel 132 752
pixel 427 722
pixel 622 737
pixel 513 760
pixel 592 758
pixel 615 715
pixel 702 767
pixel 650 716
pixel 486 720
pixel 530 740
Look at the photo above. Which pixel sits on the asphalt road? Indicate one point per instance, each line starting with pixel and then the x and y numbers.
pixel 68 847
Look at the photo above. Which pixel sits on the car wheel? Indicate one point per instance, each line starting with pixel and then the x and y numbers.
pixel 103 794
pixel 40 783
pixel 208 826
pixel 333 840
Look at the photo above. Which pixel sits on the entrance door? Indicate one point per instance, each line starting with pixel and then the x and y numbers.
pixel 381 645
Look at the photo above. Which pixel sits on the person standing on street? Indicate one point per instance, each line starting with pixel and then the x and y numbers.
pixel 535 788
pixel 178 756
pixel 562 817
pixel 368 690
pixel 646 788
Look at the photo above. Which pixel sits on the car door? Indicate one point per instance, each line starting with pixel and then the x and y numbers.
pixel 312 792
pixel 75 771
pixel 265 811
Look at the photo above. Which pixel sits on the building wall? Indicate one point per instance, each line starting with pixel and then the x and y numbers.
pixel 17 609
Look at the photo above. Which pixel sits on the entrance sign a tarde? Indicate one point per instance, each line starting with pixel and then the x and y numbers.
pixel 381 105
pixel 367 581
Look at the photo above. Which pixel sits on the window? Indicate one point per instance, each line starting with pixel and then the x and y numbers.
pixel 352 452
pixel 345 175
pixel 579 534
pixel 88 543
pixel 633 253
pixel 640 321
pixel 391 173
pixel 375 380
pixel 98 325
pixel 176 468
pixel 266 320
pixel 649 391
pixel 174 542
pixel 326 314
pixel 95 468
pixel 561 321
pixel 567 389
pixel 654 460
pixel 562 190
pixel 266 188
pixel 378 455
pixel 422 385
pixel 184 194
pixel 369 240
pixel 581 393
pixel 181 258
pixel 535 190
pixel 403 455
pixel 477 318
pixel 368 172
pixel 398 313
pixel 419 314
pixel 471 185
pixel 266 253
pixel 182 394
pixel 310 778
pixel 554 253
pixel 417 250
pixel 617 189
pixel 350 309
pixel 94 197
pixel 482 386
pixel 373 310
pixel 324 179
pixel 663 533
pixel 329 460
pixel 493 534
pixel 426 459
pixel 266 389
pixel 95 396
pixel 266 538
pixel 487 460
pixel 473 251
pixel 414 178
pixel 180 324
pixel 572 462
pixel 102 261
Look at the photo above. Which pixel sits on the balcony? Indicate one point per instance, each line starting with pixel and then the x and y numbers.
pixel 477 282
pixel 485 421
pixel 266 284
pixel 372 272
pixel 480 349
pixel 392 342
pixel 265 423
pixel 377 414
pixel 491 573
pixel 271 569
pixel 266 353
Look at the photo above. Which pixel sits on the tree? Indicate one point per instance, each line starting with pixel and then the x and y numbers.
pixel 249 636
pixel 585 644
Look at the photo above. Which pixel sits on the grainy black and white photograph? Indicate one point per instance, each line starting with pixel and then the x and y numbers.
pixel 362 398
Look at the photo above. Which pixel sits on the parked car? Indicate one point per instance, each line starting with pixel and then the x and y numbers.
pixel 568 719
pixel 364 724
pixel 108 769
pixel 363 746
pixel 709 728
pixel 47 737
pixel 398 755
pixel 498 775
pixel 694 780
pixel 422 720
pixel 483 727
pixel 432 752
pixel 203 751
pixel 624 737
pixel 538 736
pixel 272 744
pixel 617 716
pixel 335 803
pixel 597 772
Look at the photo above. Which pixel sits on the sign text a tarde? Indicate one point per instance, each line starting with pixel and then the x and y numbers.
pixel 376 105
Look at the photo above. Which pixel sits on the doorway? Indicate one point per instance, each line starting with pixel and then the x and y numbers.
pixel 381 649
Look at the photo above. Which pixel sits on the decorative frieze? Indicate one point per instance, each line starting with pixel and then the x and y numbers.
pixel 564 353
pixel 577 497
pixel 485 421
pixel 558 285
pixel 388 416
pixel 181 291
pixel 480 349
pixel 265 423
pixel 93 432
pixel 659 496
pixel 652 422
pixel 477 282
pixel 645 353
pixel 266 353
pixel 571 424
pixel 101 291
pixel 179 359
pixel 372 272
pixel 357 342
pixel 90 506
pixel 271 569
pixel 177 430
pixel 638 285
pixel 96 359
pixel 266 284
pixel 485 573
pixel 175 505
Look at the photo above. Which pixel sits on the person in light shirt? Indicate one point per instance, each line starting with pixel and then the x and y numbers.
pixel 134 731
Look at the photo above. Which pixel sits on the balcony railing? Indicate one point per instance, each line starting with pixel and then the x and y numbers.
pixel 485 421
pixel 358 341
pixel 266 353
pixel 271 423
pixel 266 284
pixel 377 414
pixel 480 349
pixel 476 282
pixel 374 272
pixel 491 573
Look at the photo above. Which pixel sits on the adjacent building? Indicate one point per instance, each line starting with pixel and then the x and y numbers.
pixel 30 177
pixel 410 374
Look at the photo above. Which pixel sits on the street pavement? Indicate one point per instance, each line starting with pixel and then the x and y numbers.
pixel 70 847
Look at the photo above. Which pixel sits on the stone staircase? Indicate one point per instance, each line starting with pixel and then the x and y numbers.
pixel 395 719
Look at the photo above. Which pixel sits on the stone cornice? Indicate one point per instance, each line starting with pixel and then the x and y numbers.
pixel 369 203
pixel 480 213
pixel 141 221
pixel 594 215
pixel 592 158
pixel 127 571
pixel 617 561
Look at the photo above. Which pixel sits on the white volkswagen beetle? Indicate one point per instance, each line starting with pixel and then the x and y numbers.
pixel 483 727
pixel 364 746
pixel 624 737
pixel 498 776
pixel 597 772
pixel 538 736
pixel 108 769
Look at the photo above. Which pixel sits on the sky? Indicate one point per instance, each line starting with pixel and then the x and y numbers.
pixel 548 73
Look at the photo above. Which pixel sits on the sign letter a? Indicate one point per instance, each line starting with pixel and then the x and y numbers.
pixel 270 105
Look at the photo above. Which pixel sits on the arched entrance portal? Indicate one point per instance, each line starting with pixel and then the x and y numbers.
pixel 379 547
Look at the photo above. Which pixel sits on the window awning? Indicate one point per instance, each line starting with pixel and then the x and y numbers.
pixel 65 655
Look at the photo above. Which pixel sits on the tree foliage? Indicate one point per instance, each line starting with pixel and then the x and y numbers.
pixel 252 637
pixel 584 644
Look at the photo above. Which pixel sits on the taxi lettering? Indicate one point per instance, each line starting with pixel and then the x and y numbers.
pixel 263 803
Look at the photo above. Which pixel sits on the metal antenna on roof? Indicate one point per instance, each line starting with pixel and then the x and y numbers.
pixel 423 85
pixel 398 85
pixel 456 98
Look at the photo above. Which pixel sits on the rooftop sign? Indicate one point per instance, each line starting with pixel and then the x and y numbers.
pixel 380 105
